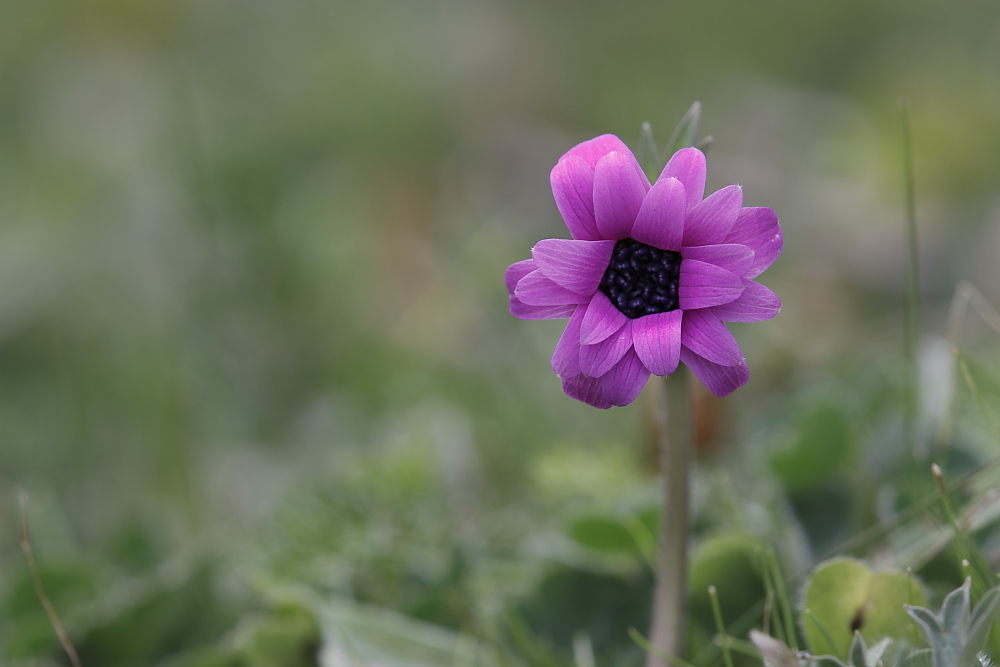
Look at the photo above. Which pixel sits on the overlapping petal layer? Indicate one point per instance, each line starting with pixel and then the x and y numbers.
pixel 522 310
pixel 660 220
pixel 599 358
pixel 755 304
pixel 758 229
pixel 688 166
pixel 709 221
pixel 573 189
pixel 601 320
pixel 703 285
pixel 657 341
pixel 619 190
pixel 573 265
pixel 536 290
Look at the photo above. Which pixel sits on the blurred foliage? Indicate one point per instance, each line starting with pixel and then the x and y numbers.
pixel 259 383
pixel 844 596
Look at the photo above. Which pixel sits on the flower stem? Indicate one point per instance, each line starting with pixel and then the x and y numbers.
pixel 912 309
pixel 674 425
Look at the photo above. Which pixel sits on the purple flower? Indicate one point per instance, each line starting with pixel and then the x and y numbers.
pixel 651 274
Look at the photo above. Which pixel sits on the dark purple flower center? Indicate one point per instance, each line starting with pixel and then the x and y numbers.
pixel 642 280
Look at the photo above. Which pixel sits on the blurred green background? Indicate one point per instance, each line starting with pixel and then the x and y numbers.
pixel 258 380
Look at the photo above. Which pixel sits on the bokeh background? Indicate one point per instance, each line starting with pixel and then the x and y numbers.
pixel 258 381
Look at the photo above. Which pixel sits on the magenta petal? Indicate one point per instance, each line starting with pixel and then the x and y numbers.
pixel 576 265
pixel 573 189
pixel 757 303
pixel 705 334
pixel 588 390
pixel 660 221
pixel 514 274
pixel 619 188
pixel 536 290
pixel 710 221
pixel 720 380
pixel 732 256
pixel 592 150
pixel 601 320
pixel 566 357
pixel 599 358
pixel 624 382
pixel 657 341
pixel 526 312
pixel 688 166
pixel 702 285
pixel 516 271
pixel 758 229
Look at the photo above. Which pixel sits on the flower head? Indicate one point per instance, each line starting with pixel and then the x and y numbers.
pixel 651 274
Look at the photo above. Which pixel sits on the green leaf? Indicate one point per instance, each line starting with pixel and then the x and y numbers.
pixel 602 534
pixel 820 448
pixel 862 656
pixel 982 620
pixel 728 562
pixel 686 132
pixel 956 635
pixel 955 612
pixel 985 613
pixel 25 630
pixel 922 658
pixel 858 653
pixel 288 636
pixel 362 634
pixel 843 595
pixel 163 617
pixel 649 156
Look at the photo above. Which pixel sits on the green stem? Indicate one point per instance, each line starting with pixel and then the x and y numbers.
pixel 720 626
pixel 782 598
pixel 912 284
pixel 674 421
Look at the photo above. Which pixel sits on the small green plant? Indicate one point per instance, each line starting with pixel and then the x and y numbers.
pixel 957 635
pixel 776 654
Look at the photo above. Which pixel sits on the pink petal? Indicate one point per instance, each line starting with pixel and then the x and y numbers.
pixel 566 357
pixel 573 189
pixel 757 303
pixel 660 221
pixel 704 334
pixel 536 290
pixel 576 265
pixel 624 382
pixel 657 341
pixel 588 390
pixel 526 312
pixel 732 256
pixel 720 380
pixel 592 150
pixel 522 310
pixel 599 358
pixel 516 271
pixel 702 285
pixel 758 229
pixel 601 320
pixel 619 188
pixel 687 166
pixel 710 221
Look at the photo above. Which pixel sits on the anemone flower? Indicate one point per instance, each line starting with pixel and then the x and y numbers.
pixel 651 275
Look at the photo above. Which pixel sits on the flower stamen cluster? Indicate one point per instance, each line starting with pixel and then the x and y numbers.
pixel 641 279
